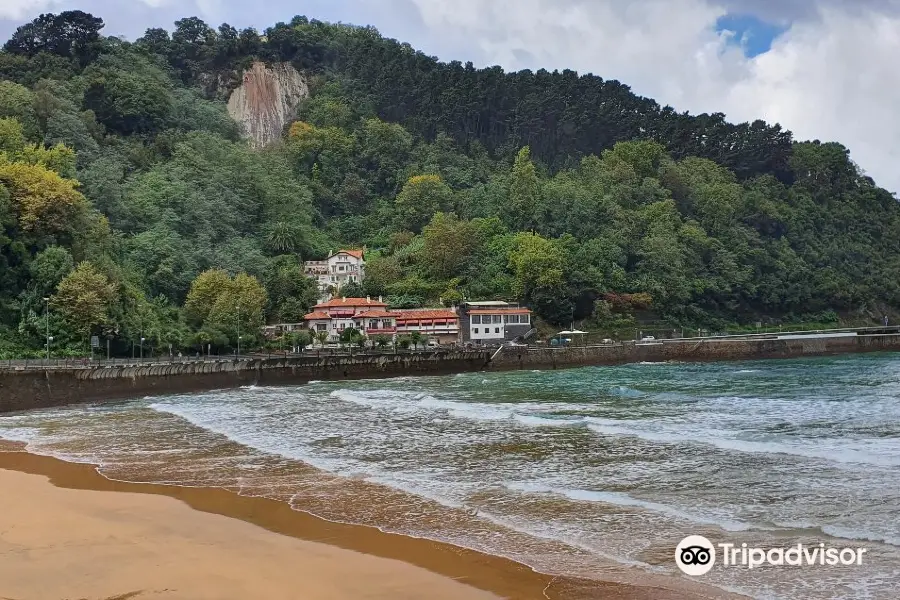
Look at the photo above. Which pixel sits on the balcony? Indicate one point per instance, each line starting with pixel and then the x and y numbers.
pixel 382 331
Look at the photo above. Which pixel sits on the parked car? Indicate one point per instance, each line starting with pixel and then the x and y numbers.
pixel 648 338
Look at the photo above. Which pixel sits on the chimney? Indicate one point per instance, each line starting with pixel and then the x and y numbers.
pixel 368 298
pixel 343 298
pixel 379 299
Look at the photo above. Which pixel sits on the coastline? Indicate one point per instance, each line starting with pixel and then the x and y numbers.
pixel 436 568
pixel 24 389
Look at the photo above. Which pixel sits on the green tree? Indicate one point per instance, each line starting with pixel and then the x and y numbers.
pixel 421 197
pixel 84 298
pixel 205 292
pixel 524 207
pixel 416 338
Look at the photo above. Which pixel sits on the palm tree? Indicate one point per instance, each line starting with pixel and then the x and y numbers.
pixel 282 237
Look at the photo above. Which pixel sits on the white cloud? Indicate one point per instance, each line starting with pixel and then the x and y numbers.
pixel 18 9
pixel 830 77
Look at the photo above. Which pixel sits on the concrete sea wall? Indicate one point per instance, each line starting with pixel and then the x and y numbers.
pixel 699 350
pixel 41 388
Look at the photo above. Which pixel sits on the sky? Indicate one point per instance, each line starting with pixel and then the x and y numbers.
pixel 825 69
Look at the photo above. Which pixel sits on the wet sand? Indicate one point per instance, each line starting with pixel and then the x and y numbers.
pixel 63 536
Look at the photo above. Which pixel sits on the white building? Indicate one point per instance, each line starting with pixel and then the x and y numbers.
pixel 493 321
pixel 339 269
pixel 337 314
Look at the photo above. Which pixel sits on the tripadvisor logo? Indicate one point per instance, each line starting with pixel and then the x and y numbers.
pixel 695 555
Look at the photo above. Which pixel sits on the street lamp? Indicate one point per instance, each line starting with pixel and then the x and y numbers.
pixel 47 319
pixel 142 349
pixel 237 309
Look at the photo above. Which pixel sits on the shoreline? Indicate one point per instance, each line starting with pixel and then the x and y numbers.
pixel 482 572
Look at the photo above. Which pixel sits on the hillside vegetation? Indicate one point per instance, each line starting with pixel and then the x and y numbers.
pixel 129 199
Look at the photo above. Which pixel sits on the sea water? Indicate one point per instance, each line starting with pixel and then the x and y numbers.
pixel 590 472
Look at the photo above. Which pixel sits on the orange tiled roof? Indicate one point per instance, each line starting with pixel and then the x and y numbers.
pixel 375 314
pixel 349 303
pixel 355 253
pixel 501 311
pixel 316 315
pixel 416 315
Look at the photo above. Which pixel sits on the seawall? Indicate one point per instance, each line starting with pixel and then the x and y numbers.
pixel 42 388
pixel 692 350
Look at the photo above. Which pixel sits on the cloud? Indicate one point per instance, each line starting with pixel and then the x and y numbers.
pixel 829 76
pixel 18 9
pixel 826 75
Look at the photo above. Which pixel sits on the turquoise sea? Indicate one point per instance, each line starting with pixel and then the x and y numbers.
pixel 595 472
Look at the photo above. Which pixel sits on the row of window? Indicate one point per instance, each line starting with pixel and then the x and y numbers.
pixel 495 319
pixel 486 330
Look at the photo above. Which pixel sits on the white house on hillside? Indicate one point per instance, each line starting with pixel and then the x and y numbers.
pixel 339 269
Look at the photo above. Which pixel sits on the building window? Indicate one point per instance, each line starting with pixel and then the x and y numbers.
pixel 386 324
pixel 476 331
pixel 496 330
pixel 526 319
pixel 321 327
pixel 476 319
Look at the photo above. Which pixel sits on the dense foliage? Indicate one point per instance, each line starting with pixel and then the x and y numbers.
pixel 130 207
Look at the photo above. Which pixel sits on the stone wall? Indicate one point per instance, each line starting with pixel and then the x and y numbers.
pixel 27 389
pixel 690 350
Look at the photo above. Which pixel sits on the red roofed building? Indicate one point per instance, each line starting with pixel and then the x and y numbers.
pixel 339 269
pixel 376 322
pixel 440 324
pixel 338 314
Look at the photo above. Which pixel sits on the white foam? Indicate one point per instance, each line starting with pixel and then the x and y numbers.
pixel 622 499
pixel 680 434
pixel 536 421
pixel 863 536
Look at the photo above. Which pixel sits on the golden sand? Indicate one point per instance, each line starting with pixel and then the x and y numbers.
pixel 64 536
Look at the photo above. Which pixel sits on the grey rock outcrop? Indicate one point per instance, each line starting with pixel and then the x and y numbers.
pixel 266 101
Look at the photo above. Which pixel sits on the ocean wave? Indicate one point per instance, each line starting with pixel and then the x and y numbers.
pixel 537 421
pixel 842 455
pixel 626 392
pixel 622 499
pixel 859 535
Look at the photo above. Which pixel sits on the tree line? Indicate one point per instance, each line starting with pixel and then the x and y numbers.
pixel 131 208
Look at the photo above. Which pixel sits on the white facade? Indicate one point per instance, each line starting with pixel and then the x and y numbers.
pixel 339 269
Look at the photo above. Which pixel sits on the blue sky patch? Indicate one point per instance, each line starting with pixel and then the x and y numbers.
pixel 754 35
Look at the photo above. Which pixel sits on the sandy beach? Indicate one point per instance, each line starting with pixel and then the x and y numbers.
pixel 60 544
pixel 64 536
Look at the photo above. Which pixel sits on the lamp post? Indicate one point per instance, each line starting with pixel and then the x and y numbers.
pixel 47 320
pixel 142 349
pixel 237 309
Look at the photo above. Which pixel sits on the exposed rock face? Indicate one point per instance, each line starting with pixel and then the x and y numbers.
pixel 266 101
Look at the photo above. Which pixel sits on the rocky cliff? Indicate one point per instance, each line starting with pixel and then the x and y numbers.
pixel 266 101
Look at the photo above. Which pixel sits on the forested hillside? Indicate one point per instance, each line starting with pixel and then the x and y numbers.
pixel 131 203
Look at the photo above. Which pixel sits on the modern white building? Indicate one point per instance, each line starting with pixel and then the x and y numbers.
pixel 494 321
pixel 339 269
